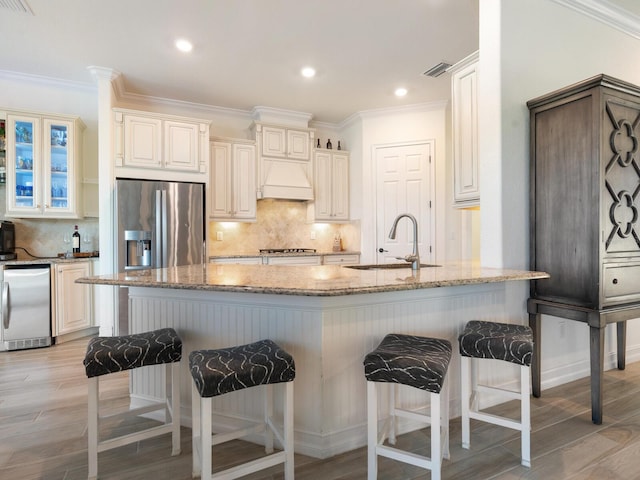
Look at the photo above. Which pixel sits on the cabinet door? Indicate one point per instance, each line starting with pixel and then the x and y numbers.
pixel 244 181
pixel 465 136
pixel 24 163
pixel 73 300
pixel 298 144
pixel 58 168
pixel 142 142
pixel 220 191
pixel 181 148
pixel 323 179
pixel 340 184
pixel 274 142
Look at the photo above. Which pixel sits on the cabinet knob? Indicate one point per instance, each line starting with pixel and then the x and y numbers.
pixel 615 281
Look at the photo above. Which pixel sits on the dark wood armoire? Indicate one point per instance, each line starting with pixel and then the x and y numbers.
pixel 585 225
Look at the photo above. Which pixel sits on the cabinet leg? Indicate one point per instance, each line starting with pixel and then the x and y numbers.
pixel 621 334
pixel 597 370
pixel 534 323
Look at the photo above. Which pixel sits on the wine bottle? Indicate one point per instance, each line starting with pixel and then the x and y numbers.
pixel 329 144
pixel 318 144
pixel 76 240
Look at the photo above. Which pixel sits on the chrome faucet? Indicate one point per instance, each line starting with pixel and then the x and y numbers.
pixel 414 258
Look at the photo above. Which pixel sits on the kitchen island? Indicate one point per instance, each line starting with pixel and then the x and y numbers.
pixel 327 317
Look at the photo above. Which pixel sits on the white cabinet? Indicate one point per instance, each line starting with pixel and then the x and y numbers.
pixel 464 99
pixel 286 142
pixel 284 164
pixel 43 166
pixel 295 260
pixel 152 141
pixel 72 301
pixel 331 186
pixel 238 260
pixel 233 181
pixel 341 259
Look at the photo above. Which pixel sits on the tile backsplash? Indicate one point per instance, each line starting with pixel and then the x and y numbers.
pixel 280 224
pixel 44 237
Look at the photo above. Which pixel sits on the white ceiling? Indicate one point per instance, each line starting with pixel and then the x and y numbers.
pixel 249 52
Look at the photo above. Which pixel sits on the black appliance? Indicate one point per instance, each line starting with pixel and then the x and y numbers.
pixel 7 241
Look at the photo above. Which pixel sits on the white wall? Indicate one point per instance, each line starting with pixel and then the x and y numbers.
pixel 385 127
pixel 542 46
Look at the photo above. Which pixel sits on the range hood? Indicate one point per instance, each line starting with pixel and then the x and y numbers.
pixel 285 180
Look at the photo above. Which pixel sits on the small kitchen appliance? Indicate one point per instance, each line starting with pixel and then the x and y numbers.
pixel 7 241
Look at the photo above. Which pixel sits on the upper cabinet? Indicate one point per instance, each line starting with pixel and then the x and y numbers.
pixel 147 140
pixel 284 167
pixel 43 165
pixel 286 142
pixel 464 113
pixel 233 180
pixel 331 186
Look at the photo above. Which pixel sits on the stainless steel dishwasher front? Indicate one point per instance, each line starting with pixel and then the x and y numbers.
pixel 25 306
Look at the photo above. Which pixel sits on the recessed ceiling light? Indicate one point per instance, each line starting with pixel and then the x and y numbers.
pixel 184 45
pixel 308 72
pixel 400 92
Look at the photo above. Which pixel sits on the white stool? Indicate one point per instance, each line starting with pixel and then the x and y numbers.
pixel 500 341
pixel 216 372
pixel 419 362
pixel 106 355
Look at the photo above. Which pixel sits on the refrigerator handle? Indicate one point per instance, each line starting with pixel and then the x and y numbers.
pixel 158 242
pixel 5 305
pixel 165 230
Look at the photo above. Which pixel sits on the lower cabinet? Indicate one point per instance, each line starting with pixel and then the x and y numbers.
pixel 72 309
pixel 346 259
pixel 295 260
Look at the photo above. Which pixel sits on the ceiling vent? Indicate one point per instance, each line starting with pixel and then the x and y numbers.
pixel 19 6
pixel 436 70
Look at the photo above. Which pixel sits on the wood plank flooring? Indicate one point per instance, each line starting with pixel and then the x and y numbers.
pixel 43 433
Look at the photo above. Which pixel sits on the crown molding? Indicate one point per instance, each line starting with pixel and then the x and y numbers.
pixel 607 13
pixel 378 112
pixel 46 81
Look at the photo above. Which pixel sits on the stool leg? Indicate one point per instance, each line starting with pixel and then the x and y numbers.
pixel 92 427
pixel 393 419
pixel 196 468
pixel 436 450
pixel 525 416
pixel 268 414
pixel 444 393
pixel 175 408
pixel 372 431
pixel 465 394
pixel 288 431
pixel 205 437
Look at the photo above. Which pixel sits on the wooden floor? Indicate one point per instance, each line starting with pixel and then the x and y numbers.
pixel 43 433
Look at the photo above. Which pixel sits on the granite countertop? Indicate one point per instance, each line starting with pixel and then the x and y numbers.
pixel 45 260
pixel 282 254
pixel 322 280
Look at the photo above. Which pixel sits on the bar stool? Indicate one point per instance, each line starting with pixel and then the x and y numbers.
pixel 216 372
pixel 419 362
pixel 115 354
pixel 500 341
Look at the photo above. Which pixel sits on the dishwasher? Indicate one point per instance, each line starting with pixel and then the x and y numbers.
pixel 25 306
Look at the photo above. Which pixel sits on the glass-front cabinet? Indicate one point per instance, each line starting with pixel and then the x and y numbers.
pixel 42 171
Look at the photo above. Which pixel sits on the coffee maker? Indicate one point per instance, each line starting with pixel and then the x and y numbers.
pixel 7 241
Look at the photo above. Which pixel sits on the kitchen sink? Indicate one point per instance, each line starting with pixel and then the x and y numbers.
pixel 387 266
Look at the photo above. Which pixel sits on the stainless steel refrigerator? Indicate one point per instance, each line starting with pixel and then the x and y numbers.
pixel 160 224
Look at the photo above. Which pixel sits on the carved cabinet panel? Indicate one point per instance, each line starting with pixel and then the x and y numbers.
pixel 585 187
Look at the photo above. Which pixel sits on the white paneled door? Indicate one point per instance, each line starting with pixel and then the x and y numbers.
pixel 405 185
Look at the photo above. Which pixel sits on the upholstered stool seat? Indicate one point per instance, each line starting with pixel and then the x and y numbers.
pixel 106 355
pixel 225 370
pixel 419 362
pixel 498 341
